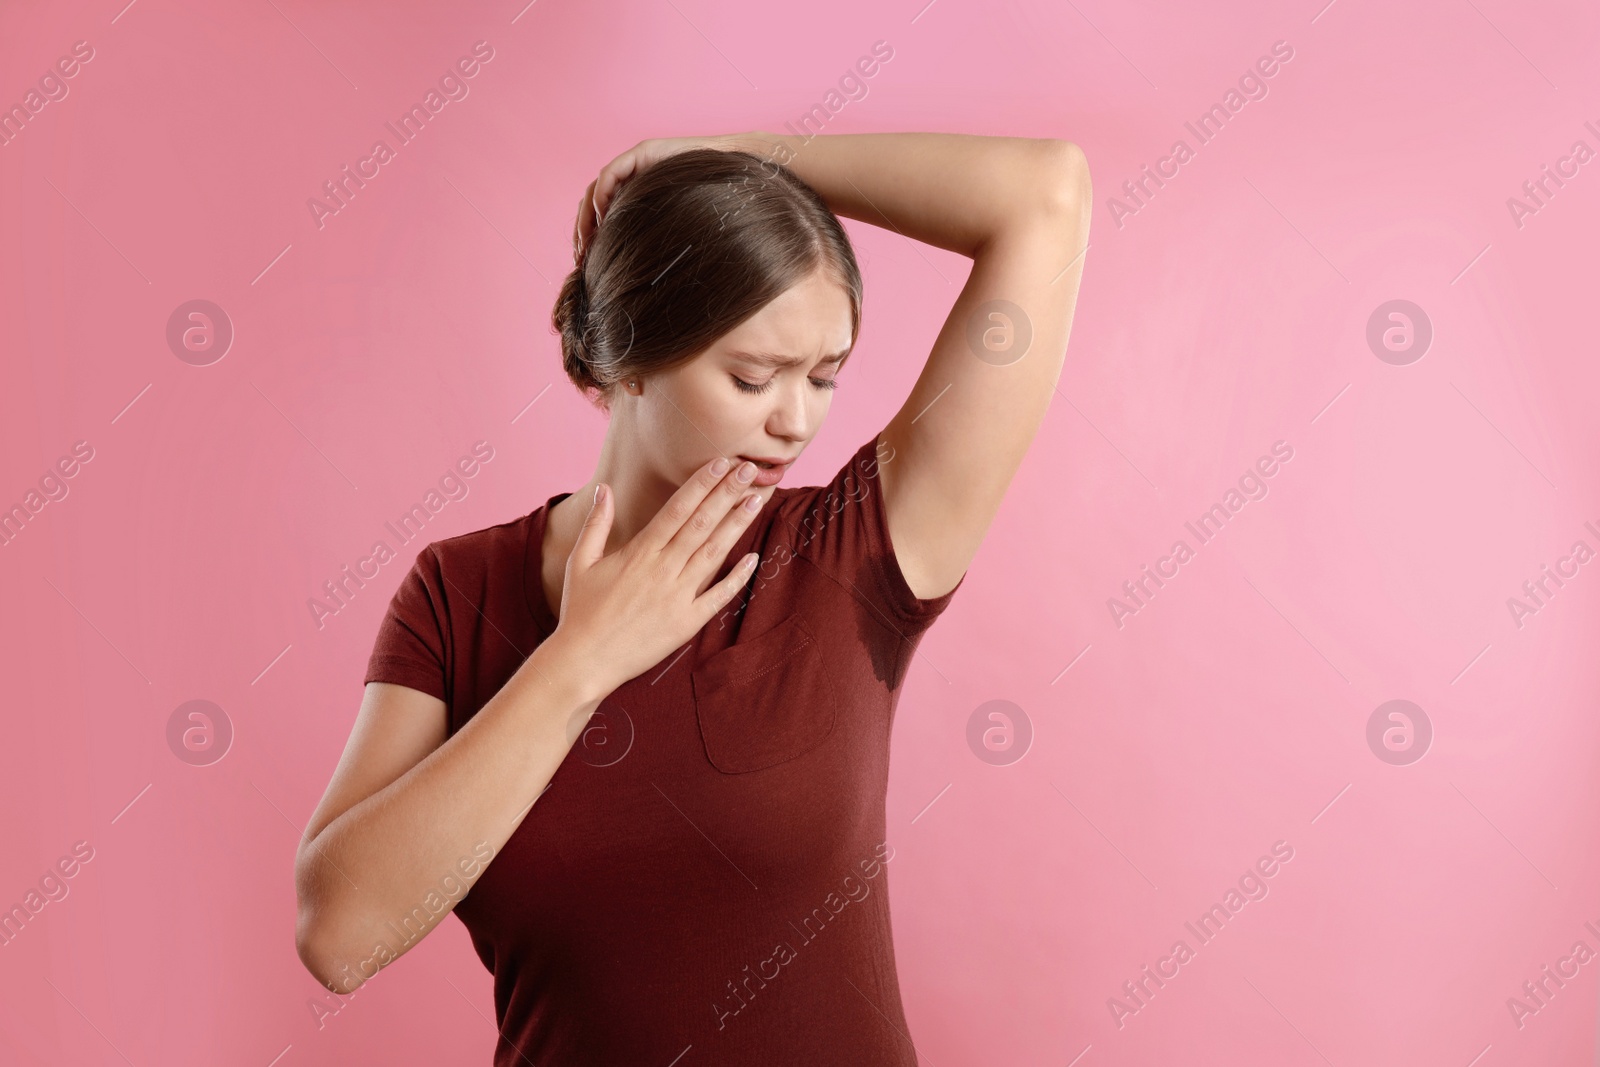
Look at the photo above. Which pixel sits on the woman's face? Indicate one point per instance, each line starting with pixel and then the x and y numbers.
pixel 731 401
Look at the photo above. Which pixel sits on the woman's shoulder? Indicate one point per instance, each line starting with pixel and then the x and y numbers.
pixel 859 464
pixel 808 509
pixel 487 542
pixel 842 527
pixel 470 557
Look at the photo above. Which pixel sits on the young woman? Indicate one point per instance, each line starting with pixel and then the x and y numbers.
pixel 647 724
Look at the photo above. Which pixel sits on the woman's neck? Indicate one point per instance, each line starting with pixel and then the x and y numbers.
pixel 637 494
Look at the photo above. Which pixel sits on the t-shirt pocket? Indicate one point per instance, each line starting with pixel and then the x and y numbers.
pixel 765 701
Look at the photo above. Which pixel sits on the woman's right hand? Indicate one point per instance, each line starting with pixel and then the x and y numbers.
pixel 623 613
pixel 641 157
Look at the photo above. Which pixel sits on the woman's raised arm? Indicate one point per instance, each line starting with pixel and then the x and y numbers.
pixel 1019 208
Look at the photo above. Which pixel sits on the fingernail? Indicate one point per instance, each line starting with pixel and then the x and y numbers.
pixel 599 494
pixel 720 466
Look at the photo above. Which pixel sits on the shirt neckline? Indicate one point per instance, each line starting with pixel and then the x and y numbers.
pixel 533 567
pixel 533 556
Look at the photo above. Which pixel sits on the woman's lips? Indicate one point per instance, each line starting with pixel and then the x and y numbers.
pixel 767 475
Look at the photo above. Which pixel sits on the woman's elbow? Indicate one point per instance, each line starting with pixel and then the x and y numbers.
pixel 319 929
pixel 317 945
pixel 1065 182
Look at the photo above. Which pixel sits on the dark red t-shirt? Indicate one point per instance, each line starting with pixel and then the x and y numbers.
pixel 706 875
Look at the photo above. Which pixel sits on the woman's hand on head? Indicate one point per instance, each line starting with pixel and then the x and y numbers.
pixel 636 160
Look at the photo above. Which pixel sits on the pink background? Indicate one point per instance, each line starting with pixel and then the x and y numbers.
pixel 1227 314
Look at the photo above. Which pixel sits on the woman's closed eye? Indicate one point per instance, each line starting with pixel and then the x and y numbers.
pixel 751 387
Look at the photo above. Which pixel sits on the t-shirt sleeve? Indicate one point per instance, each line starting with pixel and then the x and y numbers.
pixel 843 528
pixel 411 648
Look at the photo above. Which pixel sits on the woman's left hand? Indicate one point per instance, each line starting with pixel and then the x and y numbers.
pixel 636 160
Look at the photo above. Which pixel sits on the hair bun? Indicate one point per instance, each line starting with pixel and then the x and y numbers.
pixel 570 318
pixel 580 303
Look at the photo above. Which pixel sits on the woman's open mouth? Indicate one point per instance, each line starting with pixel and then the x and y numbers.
pixel 769 471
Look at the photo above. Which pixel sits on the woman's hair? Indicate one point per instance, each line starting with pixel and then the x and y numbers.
pixel 689 249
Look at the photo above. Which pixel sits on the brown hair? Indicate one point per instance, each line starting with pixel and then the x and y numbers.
pixel 688 250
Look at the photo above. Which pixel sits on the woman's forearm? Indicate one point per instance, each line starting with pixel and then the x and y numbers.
pixel 951 190
pixel 377 868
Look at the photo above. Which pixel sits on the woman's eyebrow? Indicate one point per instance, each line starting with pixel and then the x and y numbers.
pixel 771 359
